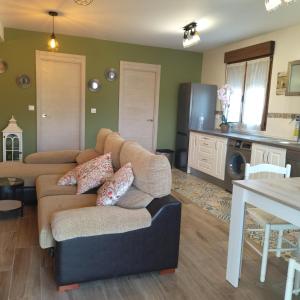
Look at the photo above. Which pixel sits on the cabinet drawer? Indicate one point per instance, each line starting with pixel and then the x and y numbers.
pixel 205 163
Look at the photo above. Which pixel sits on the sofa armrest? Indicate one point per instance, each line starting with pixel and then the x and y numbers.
pixel 97 220
pixel 158 204
pixel 52 157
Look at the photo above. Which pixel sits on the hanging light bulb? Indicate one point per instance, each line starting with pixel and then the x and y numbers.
pixel 53 43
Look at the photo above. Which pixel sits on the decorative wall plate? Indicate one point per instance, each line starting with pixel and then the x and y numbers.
pixel 3 66
pixel 94 85
pixel 111 74
pixel 23 81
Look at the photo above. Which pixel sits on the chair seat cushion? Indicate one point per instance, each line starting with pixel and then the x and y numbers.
pixel 48 205
pixel 262 218
pixel 46 185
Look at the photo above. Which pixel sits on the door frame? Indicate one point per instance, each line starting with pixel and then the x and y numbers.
pixel 148 68
pixel 60 57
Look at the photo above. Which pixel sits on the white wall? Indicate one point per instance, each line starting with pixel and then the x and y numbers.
pixel 1 32
pixel 287 49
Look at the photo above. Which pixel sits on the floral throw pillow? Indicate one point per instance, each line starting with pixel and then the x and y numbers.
pixel 93 173
pixel 69 178
pixel 111 191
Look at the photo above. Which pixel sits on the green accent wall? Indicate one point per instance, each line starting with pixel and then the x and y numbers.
pixel 18 51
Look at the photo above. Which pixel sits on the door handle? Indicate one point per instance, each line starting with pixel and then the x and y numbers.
pixel 150 120
pixel 44 115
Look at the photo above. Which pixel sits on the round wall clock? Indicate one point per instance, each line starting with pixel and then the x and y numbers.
pixel 111 74
pixel 23 81
pixel 3 66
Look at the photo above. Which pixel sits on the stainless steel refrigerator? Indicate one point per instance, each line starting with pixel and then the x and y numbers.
pixel 196 111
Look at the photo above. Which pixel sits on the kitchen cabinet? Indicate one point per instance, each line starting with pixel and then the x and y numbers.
pixel 263 154
pixel 207 154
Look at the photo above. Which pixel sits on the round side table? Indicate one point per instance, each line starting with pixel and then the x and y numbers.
pixel 11 197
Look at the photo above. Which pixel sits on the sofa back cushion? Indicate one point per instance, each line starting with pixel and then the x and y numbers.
pixel 52 157
pixel 152 173
pixel 101 137
pixel 86 155
pixel 113 144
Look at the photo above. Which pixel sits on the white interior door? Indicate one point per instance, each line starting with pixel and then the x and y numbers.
pixel 138 103
pixel 60 101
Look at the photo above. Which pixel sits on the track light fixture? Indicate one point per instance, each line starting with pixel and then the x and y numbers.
pixel 191 35
pixel 53 43
pixel 274 4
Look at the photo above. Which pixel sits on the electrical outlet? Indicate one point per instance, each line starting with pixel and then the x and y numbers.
pixel 93 110
pixel 31 107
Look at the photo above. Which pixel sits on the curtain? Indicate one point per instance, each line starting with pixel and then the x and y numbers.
pixel 255 93
pixel 235 76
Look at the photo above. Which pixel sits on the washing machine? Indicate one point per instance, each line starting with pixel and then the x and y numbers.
pixel 238 154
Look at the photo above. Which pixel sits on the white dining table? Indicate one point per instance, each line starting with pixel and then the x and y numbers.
pixel 279 197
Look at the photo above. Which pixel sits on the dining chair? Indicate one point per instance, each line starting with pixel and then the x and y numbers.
pixel 267 222
pixel 293 277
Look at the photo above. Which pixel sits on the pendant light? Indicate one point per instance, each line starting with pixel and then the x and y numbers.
pixel 53 43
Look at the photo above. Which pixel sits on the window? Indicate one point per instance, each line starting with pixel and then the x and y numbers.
pixel 248 72
pixel 249 81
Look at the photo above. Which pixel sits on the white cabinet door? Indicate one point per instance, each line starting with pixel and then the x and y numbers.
pixel 277 156
pixel 258 154
pixel 220 161
pixel 192 158
pixel 262 154
pixel 207 154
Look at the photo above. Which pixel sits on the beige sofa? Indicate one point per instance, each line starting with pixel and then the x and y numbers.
pixel 152 180
pixel 64 217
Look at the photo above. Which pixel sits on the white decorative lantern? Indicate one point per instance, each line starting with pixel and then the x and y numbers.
pixel 12 142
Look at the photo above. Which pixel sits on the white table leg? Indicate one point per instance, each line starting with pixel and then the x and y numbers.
pixel 236 235
pixel 297 275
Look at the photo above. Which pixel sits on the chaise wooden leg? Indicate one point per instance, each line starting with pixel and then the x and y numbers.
pixel 166 271
pixel 65 288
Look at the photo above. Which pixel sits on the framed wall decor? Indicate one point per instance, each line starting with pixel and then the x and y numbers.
pixel 282 80
pixel 23 81
pixel 293 85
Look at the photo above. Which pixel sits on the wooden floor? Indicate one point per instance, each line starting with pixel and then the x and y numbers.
pixel 26 271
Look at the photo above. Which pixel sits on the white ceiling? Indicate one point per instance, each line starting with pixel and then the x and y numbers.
pixel 154 22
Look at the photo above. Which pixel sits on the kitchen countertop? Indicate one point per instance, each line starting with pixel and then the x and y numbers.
pixel 260 139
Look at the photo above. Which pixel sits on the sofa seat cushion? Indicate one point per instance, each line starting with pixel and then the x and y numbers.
pixel 29 172
pixel 46 185
pixel 134 198
pixel 52 157
pixel 152 173
pixel 93 221
pixel 48 205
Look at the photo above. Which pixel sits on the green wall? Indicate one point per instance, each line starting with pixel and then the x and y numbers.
pixel 18 51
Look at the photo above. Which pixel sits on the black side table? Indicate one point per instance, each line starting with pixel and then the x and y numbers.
pixel 11 197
